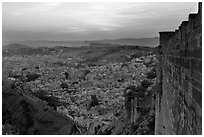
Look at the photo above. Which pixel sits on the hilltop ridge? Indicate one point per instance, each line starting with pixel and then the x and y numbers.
pixel 148 42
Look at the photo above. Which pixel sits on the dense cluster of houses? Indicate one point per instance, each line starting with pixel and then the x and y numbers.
pixel 76 85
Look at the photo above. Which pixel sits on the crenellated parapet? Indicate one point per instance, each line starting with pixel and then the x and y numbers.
pixel 181 81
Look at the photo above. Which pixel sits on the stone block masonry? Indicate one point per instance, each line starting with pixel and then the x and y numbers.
pixel 179 99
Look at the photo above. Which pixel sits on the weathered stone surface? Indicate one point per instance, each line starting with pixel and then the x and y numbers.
pixel 179 105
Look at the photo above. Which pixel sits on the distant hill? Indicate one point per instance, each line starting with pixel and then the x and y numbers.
pixel 47 43
pixel 148 42
pixel 14 47
pixel 19 49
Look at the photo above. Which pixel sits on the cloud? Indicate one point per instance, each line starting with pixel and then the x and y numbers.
pixel 17 13
pixel 75 29
pixel 68 30
pixel 103 16
pixel 93 19
pixel 44 7
pixel 29 8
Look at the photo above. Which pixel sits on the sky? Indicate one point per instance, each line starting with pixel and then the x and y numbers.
pixel 23 21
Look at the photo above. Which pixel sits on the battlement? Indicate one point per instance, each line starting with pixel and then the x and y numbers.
pixel 179 105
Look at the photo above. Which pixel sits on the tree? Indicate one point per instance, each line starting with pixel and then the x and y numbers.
pixel 94 101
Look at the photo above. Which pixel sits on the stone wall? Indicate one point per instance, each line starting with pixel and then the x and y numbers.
pixel 179 98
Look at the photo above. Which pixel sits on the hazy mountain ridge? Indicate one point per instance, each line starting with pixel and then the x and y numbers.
pixel 148 42
pixel 47 43
pixel 14 47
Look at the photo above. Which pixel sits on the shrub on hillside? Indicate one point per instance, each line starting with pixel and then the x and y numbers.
pixel 94 101
pixel 32 77
pixel 152 74
pixel 51 100
pixel 145 83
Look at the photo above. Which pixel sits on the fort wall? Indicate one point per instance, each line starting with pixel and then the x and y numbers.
pixel 178 102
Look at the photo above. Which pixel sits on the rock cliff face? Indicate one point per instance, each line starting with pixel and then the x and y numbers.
pixel 31 115
pixel 179 75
